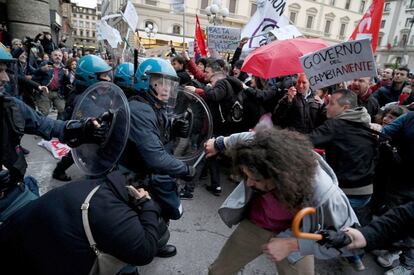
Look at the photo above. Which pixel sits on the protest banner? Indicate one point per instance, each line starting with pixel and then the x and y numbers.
pixel 223 39
pixel 131 16
pixel 267 17
pixel 342 62
pixel 191 48
pixel 106 32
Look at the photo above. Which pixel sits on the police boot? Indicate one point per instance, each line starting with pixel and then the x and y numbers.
pixel 60 171
pixel 167 251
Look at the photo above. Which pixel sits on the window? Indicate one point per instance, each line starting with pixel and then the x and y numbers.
pixel 93 25
pixel 362 7
pixel 379 41
pixel 232 6
pixel 87 25
pixel 342 30
pixel 403 40
pixel 147 23
pixel 81 33
pixel 80 16
pixel 87 17
pixel 204 4
pixel 74 15
pixel 176 29
pixel 81 24
pixel 151 2
pixel 87 33
pixel 332 2
pixel 411 4
pixel 382 24
pixel 253 9
pixel 408 22
pixel 347 4
pixel 93 34
pixel 309 22
pixel 292 17
pixel 412 40
pixel 387 7
pixel 328 26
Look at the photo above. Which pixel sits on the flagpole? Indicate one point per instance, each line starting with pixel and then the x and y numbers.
pixel 184 26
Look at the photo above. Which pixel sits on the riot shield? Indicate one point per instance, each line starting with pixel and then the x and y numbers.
pixel 94 159
pixel 193 108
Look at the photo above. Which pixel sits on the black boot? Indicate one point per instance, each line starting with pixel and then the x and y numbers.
pixel 167 251
pixel 60 171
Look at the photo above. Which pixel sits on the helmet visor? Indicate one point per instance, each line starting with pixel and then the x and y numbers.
pixel 166 89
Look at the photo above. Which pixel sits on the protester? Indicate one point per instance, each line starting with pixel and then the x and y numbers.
pixel 283 180
pixel 299 109
pixel 387 94
pixel 361 86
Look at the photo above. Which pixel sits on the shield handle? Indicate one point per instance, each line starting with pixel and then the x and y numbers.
pixel 296 225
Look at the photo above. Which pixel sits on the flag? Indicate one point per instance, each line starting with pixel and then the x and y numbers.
pixel 177 6
pixel 370 24
pixel 266 18
pixel 200 48
pixel 130 16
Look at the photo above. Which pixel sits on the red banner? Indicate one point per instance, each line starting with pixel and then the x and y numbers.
pixel 370 24
pixel 200 47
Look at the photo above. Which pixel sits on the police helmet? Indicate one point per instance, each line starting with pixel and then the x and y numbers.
pixel 151 67
pixel 88 70
pixel 123 76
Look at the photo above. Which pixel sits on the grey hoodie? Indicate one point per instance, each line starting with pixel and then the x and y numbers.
pixel 359 114
pixel 332 207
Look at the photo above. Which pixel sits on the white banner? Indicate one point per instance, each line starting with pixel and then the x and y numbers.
pixel 191 48
pixel 342 62
pixel 106 32
pixel 223 39
pixel 131 16
pixel 286 32
pixel 265 19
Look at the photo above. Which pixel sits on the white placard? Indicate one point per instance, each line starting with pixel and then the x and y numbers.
pixel 223 39
pixel 191 48
pixel 286 32
pixel 342 62
pixel 131 16
pixel 104 31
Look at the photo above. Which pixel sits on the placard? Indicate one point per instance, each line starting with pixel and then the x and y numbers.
pixel 342 62
pixel 223 39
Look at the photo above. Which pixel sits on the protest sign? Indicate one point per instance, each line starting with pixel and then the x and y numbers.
pixel 268 16
pixel 191 48
pixel 223 39
pixel 55 147
pixel 106 32
pixel 342 62
pixel 286 32
pixel 131 16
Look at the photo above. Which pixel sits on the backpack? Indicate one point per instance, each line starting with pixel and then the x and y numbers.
pixel 235 114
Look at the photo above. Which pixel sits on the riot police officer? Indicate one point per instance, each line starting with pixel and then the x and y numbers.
pixel 147 152
pixel 90 70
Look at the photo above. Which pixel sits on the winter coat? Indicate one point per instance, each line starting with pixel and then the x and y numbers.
pixel 47 235
pixel 350 149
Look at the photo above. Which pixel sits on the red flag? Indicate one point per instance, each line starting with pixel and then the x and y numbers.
pixel 200 47
pixel 370 24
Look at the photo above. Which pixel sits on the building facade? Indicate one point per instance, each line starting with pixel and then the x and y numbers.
pixel 396 43
pixel 83 23
pixel 332 20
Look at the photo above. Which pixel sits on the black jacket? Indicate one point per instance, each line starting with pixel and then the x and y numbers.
pixel 302 115
pixel 394 225
pixel 350 150
pixel 47 236
pixel 387 94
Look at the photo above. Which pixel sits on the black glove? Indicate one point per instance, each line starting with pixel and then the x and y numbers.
pixel 191 173
pixel 334 239
pixel 83 131
pixel 180 128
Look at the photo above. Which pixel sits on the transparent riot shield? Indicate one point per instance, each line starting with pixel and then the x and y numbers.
pixel 193 108
pixel 93 159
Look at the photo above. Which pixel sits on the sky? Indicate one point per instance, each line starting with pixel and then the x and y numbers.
pixel 85 3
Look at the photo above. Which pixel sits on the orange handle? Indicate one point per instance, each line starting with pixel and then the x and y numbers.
pixel 296 225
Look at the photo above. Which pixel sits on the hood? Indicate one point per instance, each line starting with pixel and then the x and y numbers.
pixel 359 114
pixel 326 179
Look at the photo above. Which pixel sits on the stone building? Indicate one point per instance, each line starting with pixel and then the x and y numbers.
pixel 396 43
pixel 83 22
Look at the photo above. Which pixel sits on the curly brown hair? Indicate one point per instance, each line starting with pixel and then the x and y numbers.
pixel 286 158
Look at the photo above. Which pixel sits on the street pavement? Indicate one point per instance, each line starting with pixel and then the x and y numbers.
pixel 198 235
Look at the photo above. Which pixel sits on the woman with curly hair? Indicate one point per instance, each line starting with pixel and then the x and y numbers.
pixel 282 175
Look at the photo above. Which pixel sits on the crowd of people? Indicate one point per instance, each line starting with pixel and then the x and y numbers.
pixel 345 150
